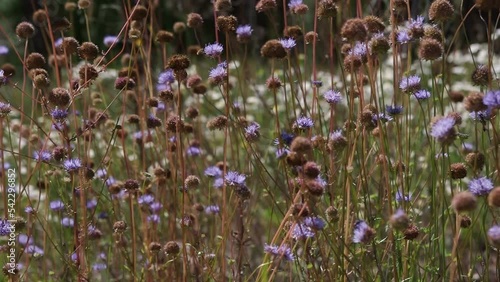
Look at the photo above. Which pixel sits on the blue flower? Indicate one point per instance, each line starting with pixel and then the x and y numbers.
pixel 92 203
pixel 42 156
pixel 155 207
pixel 492 99
pixel 145 199
pixel 68 222
pixel 72 164
pixel 282 152
pixel 99 266
pixel 193 151
pixel 401 197
pixel 244 31
pixel 410 84
pixel 214 209
pixel 109 39
pixel 481 116
pixel 34 250
pixel 218 183
pixel 279 251
pixel 6 228
pixel 302 231
pixel 4 107
pixel 59 114
pixel 417 23
pixel 213 171
pixel 363 233
pixel 403 37
pixel 219 73
pixel 359 49
pixel 165 78
pixel 56 205
pixel 153 218
pixel 332 96
pixel 213 50
pixel 24 240
pixel 234 178
pixel 252 131
pixel 4 50
pixel 494 234
pixel 443 128
pixel 287 43
pixel 304 123
pixel 394 110
pixel 422 94
pixel 101 173
pixel 294 4
pixel 314 222
pixel 480 186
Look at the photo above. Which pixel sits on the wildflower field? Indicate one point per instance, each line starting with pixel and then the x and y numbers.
pixel 259 140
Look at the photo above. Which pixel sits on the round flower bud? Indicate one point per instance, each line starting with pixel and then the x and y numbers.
pixel 475 160
pixel 474 102
pixel 88 51
pixel 480 76
pixel 59 97
pixel 458 171
pixel 164 36
pixel 265 5
pixel 35 61
pixel 430 49
pixel 25 30
pixel 194 20
pixel 354 30
pixel 179 27
pixel 441 10
pixel 273 49
pixel 39 16
pixel 191 182
pixel 171 248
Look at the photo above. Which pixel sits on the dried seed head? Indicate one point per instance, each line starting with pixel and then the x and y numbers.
pixel 87 73
pixel 59 97
pixel 458 171
pixel 133 119
pixel 379 45
pixel 223 5
pixel 178 62
pixel 70 6
pixel 294 32
pixel 34 61
pixel 163 36
pixel 300 209
pixel 465 221
pixel 354 30
pixel 191 182
pixel 327 9
pixel 456 96
pixel 124 83
pixel 311 170
pixel 411 232
pixel 273 49
pixel 480 76
pixel 431 31
pixel 8 70
pixel 174 124
pixel 131 184
pixel 352 63
pixel 179 27
pixel 265 5
pixel 487 5
pixel 194 50
pixel 399 220
pixel 25 30
pixel 475 160
pixel 441 10
pixel 88 51
pixel 374 24
pixel 69 46
pixel 119 226
pixel 40 16
pixel 300 9
pixel 273 83
pixel 315 188
pixel 218 123
pixel 295 159
pixel 301 145
pixel 430 49
pixel 59 153
pixel 154 247
pixel 84 4
pixel 194 20
pixel 61 24
pixel 139 13
pixel 200 89
pixel 332 214
pixel 41 81
pixel 193 80
pixel 153 122
pixel 310 37
pixel 494 197
pixel 192 112
pixel 474 102
pixel 463 202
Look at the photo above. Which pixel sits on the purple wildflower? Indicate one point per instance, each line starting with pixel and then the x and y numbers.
pixel 359 49
pixel 146 199
pixel 422 94
pixel 92 203
pixel 165 78
pixel 214 209
pixel 213 50
pixel 304 123
pixel 58 42
pixel 24 239
pixel 109 39
pixel 3 78
pixel 279 251
pixel 153 218
pixel 68 222
pixel 59 114
pixel 294 4
pixel 252 131
pixel 72 164
pixel 492 99
pixel 218 182
pixel 244 30
pixel 362 232
pixel 34 250
pixel 410 84
pixel 480 186
pixel 336 135
pixel 417 23
pixel 99 266
pixel 234 178
pixel 443 128
pixel 317 83
pixel 219 73
pixel 315 222
pixel 56 205
pixel 29 210
pixel 193 151
pixel 4 107
pixel 213 171
pixel 287 43
pixel 5 227
pixel 282 152
pixel 494 234
pixel 4 50
pixel 393 110
pixel 155 207
pixel 302 231
pixel 332 96
pixel 381 117
pixel 101 173
pixel 42 156
pixel 481 116
pixel 403 37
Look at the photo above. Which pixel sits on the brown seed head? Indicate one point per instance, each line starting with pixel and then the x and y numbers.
pixel 61 24
pixel 310 37
pixel 487 5
pixel 163 36
pixel 70 6
pixel 194 20
pixel 327 9
pixel 25 30
pixel 217 123
pixel 431 31
pixel 174 123
pixel 399 220
pixel 265 5
pixel 475 160
pixel 294 32
pixel 139 13
pixel 88 51
pixel 179 27
pixel 59 97
pixel 8 70
pixel 200 89
pixel 411 232
pixel 273 49
pixel 191 182
pixel 273 83
pixel 178 62
pixel 131 184
pixel 494 197
pixel 300 9
pixel 193 81
pixel 119 226
pixel 430 49
pixel 192 112
pixel 480 76
pixel 456 96
pixel 374 24
pixel 315 188
pixel 379 45
pixel 441 11
pixel 84 4
pixel 465 221
pixel 354 30
pixel 458 171
pixel 301 145
pixel 69 46
pixel 34 61
pixel 87 73
pixel 39 16
pixel 311 170
pixel 474 102
pixel 463 202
